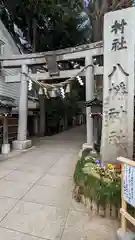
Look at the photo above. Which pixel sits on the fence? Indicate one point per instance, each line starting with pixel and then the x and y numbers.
pixel 127 191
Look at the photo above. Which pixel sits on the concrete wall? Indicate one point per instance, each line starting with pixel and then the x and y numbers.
pixel 9 48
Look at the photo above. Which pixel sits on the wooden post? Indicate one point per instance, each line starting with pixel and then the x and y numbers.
pixel 42 116
pixel 5 129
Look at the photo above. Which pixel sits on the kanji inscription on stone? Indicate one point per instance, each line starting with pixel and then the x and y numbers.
pixel 119 26
pixel 119 42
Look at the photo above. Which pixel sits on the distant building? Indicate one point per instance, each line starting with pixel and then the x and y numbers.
pixel 12 43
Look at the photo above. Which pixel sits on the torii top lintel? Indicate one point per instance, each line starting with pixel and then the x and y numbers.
pixel 40 58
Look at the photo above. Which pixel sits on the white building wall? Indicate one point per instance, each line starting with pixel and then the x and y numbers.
pixel 9 48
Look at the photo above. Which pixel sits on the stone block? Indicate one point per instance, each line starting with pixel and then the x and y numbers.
pixel 87 146
pixel 125 236
pixel 5 149
pixel 22 145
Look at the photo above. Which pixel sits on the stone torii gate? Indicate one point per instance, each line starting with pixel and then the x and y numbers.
pixel 88 52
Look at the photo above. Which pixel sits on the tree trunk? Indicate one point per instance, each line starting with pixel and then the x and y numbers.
pixel 97 29
pixel 34 28
pixel 29 30
pixel 99 11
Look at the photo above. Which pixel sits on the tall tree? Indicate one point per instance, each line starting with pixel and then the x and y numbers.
pixel 52 22
pixel 97 9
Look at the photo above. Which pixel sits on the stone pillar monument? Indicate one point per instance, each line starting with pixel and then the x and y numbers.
pixel 119 77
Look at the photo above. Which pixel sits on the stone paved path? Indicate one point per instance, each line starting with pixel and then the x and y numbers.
pixel 36 195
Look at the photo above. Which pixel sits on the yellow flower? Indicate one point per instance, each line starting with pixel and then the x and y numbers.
pixel 110 166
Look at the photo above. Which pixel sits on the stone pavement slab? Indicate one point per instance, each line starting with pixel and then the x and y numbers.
pixel 56 181
pixel 64 167
pixel 35 219
pixel 6 204
pixel 13 189
pixel 30 168
pixel 11 164
pixel 22 176
pixel 83 226
pixel 50 196
pixel 4 172
pixel 6 234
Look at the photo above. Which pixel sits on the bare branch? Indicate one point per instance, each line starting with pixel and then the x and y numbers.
pixel 104 7
pixel 121 3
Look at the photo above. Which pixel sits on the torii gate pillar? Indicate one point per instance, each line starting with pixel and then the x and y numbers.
pixel 22 142
pixel 89 96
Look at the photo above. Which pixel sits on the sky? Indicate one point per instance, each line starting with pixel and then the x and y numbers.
pixel 86 3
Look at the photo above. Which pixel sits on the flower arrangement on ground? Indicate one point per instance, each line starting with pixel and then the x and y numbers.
pixel 98 182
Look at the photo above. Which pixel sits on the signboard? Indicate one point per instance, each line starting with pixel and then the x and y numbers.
pixel 128 191
pixel 128 184
pixel 118 96
pixel 52 65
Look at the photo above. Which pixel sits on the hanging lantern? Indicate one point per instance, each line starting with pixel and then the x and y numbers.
pixel 68 88
pixel 30 85
pixel 49 94
pixel 45 91
pixel 80 80
pixel 52 93
pixel 40 92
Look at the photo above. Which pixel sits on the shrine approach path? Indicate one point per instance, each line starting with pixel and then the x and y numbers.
pixel 36 194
